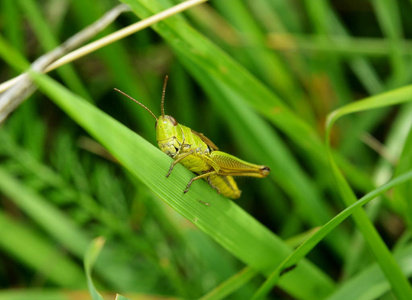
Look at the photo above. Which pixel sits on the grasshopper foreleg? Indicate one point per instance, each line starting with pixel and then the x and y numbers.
pixel 181 146
pixel 177 161
pixel 198 177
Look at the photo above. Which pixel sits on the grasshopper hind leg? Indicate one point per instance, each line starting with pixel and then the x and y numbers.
pixel 196 178
pixel 212 185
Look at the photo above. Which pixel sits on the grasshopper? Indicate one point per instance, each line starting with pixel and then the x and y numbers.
pixel 199 154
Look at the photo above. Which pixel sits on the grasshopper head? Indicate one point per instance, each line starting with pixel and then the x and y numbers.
pixel 165 127
pixel 166 133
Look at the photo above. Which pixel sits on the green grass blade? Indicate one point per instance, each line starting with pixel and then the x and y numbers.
pixel 44 214
pixel 49 42
pixel 361 67
pixel 230 285
pixel 43 294
pixel 120 297
pixel 317 237
pixel 371 283
pixel 344 46
pixel 388 15
pixel 89 259
pixel 398 96
pixel 119 63
pixel 395 143
pixel 222 219
pixel 401 196
pixel 28 247
pixel 55 223
pixel 399 283
pixel 12 56
pixel 319 17
pixel 270 66
pixel 12 17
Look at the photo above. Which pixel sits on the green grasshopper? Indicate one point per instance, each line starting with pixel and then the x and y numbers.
pixel 199 154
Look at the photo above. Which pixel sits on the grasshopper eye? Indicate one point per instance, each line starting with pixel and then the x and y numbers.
pixel 174 122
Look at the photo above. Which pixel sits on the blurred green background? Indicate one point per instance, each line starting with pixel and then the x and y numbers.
pixel 259 78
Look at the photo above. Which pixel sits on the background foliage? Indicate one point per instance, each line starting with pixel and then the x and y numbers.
pixel 257 77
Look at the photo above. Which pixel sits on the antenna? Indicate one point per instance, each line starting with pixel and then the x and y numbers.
pixel 162 106
pixel 136 102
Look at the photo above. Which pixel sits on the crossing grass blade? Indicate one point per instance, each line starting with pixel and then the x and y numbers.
pixel 398 281
pixel 371 283
pixel 319 235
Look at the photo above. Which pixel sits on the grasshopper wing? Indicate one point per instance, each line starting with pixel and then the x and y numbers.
pixel 233 166
pixel 205 139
